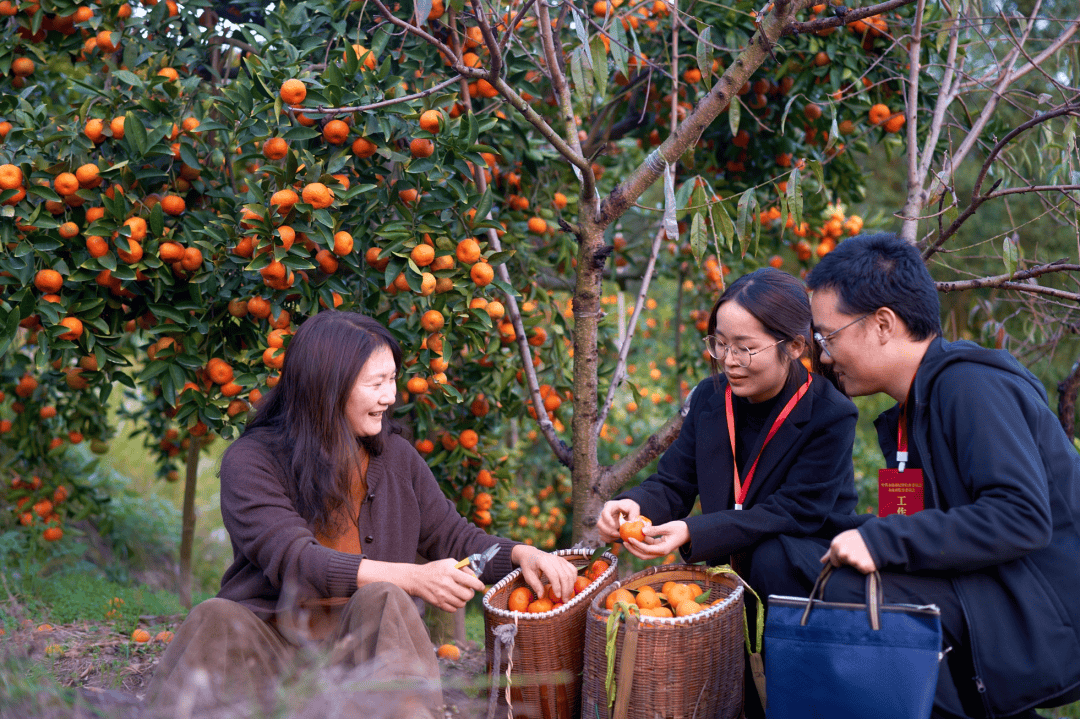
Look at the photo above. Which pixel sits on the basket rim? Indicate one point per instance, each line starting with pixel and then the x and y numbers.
pixel 707 613
pixel 584 597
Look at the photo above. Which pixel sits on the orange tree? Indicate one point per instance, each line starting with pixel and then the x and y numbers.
pixel 183 183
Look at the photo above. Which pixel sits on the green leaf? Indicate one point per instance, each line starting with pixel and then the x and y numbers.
pixel 795 196
pixel 819 172
pixel 300 132
pixel 1009 254
pixel 10 326
pixel 157 220
pixel 747 205
pixel 423 9
pixel 483 207
pixel 130 78
pixel 600 65
pixel 733 113
pixel 133 129
pixel 618 48
pixel 698 238
pixel 722 221
pixel 787 109
pixel 703 54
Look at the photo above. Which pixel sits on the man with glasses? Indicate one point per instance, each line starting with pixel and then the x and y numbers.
pixel 988 524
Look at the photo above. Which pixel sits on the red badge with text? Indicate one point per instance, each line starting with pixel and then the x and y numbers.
pixel 899 492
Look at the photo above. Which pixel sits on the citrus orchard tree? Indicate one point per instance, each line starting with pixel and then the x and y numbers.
pixel 505 188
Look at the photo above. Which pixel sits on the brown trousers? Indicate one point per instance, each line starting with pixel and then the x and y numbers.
pixel 378 661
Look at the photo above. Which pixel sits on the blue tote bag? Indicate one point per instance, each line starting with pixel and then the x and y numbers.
pixel 831 660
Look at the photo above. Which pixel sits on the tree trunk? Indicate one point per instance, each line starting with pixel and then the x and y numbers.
pixel 187 531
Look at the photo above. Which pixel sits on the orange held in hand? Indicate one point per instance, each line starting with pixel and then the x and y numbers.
pixel 633 529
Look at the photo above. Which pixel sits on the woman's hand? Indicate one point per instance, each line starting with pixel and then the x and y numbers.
pixel 608 521
pixel 442 584
pixel 666 538
pixel 534 563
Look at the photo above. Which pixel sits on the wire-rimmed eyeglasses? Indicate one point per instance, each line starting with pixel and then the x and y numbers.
pixel 742 355
pixel 824 340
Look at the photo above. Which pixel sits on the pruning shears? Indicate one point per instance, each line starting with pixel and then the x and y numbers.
pixel 477 562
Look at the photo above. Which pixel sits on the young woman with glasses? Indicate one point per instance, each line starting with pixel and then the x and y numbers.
pixel 766 447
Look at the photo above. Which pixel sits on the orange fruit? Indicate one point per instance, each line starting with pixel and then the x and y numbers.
pixel 421 147
pixel 318 195
pixel 519 599
pixel 11 177
pixel 633 529
pixel 284 199
pixel 75 328
pixel 164 636
pixel 219 371
pixel 687 607
pixel 540 605
pixel 596 569
pixel 619 595
pixel 22 67
pixel 432 321
pixel 581 584
pixel 482 274
pixel 275 148
pixel 408 196
pixel 52 534
pixel 879 113
pixel 88 176
pixel 293 91
pixel 116 126
pixel 68 230
pixel 274 357
pixel 678 593
pixel 48 280
pixel 97 246
pixel 137 227
pixel 367 59
pixel 105 42
pixel 431 121
pixel 537 225
pixel 336 132
pixel 423 255
pixel 662 612
pixel 560 200
pixel 66 183
pixel 894 123
pixel 647 598
pixel 343 243
pixel 448 651
pixel 417 385
pixel 468 250
pixel 173 205
pixel 140 635
pixel 363 147
pixel 169 73
pixel 133 254
pixel 469 438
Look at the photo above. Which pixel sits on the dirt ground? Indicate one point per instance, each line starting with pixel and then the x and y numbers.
pixel 109 673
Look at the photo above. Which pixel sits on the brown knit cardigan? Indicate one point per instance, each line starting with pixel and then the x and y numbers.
pixel 405 514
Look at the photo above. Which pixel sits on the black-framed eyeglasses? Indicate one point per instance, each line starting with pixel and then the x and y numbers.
pixel 742 355
pixel 824 341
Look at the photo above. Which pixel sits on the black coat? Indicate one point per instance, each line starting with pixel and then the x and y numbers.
pixel 804 483
pixel 1002 521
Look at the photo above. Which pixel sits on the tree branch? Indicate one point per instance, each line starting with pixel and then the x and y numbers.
pixel 624 351
pixel 844 16
pixel 384 103
pixel 909 228
pixel 708 108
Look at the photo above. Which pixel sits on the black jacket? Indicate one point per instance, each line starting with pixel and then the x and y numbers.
pixel 804 483
pixel 1001 519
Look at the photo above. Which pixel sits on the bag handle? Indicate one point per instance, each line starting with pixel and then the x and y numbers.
pixel 875 596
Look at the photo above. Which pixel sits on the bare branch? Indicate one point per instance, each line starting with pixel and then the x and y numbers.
pixel 914 182
pixel 624 351
pixel 844 16
pixel 420 33
pixel 384 103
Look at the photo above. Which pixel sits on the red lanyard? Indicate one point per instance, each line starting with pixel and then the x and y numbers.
pixel 741 488
pixel 901 432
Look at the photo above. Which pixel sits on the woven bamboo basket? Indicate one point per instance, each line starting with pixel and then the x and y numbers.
pixel 545 679
pixel 688 667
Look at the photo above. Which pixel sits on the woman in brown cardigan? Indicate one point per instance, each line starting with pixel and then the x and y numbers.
pixel 327 507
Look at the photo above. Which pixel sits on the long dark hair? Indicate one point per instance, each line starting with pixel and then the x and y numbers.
pixel 305 412
pixel 779 302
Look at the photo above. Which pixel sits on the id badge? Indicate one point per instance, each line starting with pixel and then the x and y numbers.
pixel 900 492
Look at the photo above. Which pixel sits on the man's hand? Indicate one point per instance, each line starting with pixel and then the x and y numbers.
pixel 534 563
pixel 666 538
pixel 849 548
pixel 608 521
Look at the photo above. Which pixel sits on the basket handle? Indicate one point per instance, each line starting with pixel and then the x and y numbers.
pixel 626 669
